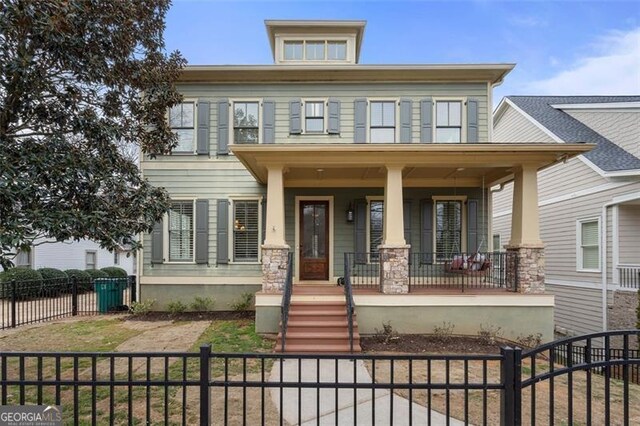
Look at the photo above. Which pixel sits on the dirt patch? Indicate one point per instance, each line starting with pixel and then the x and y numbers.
pixel 194 316
pixel 420 343
pixel 168 337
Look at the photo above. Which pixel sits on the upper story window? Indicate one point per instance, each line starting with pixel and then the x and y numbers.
pixel 246 122
pixel 90 259
pixel 337 50
pixel 383 121
pixel 23 258
pixel 588 245
pixel 182 122
pixel 293 50
pixel 448 121
pixel 315 50
pixel 314 116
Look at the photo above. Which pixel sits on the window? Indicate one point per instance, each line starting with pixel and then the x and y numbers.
pixel 448 228
pixel 182 122
pixel 376 214
pixel 589 245
pixel 336 50
pixel 180 221
pixel 383 122
pixel 497 243
pixel 90 260
pixel 245 122
pixel 23 258
pixel 448 121
pixel 314 50
pixel 116 258
pixel 314 116
pixel 245 230
pixel 293 50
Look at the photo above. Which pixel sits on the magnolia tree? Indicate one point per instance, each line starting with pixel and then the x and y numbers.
pixel 80 80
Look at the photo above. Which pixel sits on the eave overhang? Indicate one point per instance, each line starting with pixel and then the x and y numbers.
pixel 424 165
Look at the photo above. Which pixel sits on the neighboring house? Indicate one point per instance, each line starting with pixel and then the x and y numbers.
pixel 83 254
pixel 589 205
pixel 384 167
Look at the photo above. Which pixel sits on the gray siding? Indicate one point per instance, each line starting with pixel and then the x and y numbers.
pixel 514 127
pixel 621 128
pixel 578 309
pixel 629 234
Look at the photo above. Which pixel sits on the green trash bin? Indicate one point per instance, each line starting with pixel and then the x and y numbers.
pixel 109 293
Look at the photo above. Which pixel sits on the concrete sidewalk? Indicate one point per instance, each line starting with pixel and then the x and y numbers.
pixel 349 407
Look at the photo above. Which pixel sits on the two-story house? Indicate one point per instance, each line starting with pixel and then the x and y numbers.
pixel 375 173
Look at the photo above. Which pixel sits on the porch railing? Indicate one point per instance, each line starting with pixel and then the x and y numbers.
pixel 286 300
pixel 348 296
pixel 629 276
pixel 487 270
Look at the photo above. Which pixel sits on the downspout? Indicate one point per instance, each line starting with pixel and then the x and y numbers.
pixel 603 269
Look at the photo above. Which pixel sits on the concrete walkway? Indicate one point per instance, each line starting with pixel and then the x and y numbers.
pixel 352 408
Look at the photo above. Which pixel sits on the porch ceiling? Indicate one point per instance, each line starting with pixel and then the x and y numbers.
pixel 363 165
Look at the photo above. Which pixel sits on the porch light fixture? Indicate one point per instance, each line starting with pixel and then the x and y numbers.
pixel 350 213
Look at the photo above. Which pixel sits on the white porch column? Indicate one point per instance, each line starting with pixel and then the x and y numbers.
pixel 275 249
pixel 394 251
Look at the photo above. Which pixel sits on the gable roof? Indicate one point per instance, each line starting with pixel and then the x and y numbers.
pixel 606 155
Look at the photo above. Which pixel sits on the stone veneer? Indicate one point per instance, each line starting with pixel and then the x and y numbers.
pixel 274 268
pixel 529 265
pixel 622 315
pixel 394 269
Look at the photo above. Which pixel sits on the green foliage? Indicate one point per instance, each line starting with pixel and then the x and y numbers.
pixel 54 281
pixel 141 308
pixel 114 272
pixel 202 304
pixel 73 115
pixel 28 282
pixel 83 278
pixel 96 273
pixel 176 307
pixel 244 302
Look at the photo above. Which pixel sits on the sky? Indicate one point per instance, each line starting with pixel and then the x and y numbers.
pixel 559 47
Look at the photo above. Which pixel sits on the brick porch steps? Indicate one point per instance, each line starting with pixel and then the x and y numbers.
pixel 318 322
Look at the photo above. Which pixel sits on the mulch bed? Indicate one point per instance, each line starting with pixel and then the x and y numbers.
pixel 420 343
pixel 194 316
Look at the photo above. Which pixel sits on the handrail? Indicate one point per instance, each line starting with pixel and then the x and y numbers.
pixel 348 295
pixel 286 300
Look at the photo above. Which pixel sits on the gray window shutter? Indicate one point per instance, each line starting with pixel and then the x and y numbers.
pixel 360 228
pixel 268 122
pixel 295 117
pixel 157 237
pixel 360 120
pixel 202 231
pixel 426 231
pixel 223 127
pixel 222 232
pixel 333 123
pixel 405 120
pixel 407 220
pixel 426 117
pixel 204 117
pixel 264 220
pixel 472 121
pixel 472 226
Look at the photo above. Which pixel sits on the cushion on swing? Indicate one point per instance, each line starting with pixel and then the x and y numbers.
pixel 476 262
pixel 457 262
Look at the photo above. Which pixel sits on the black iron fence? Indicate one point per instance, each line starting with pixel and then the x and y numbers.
pixel 219 388
pixel 286 301
pixel 489 270
pixel 26 302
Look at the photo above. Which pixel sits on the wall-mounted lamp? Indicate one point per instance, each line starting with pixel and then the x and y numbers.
pixel 350 213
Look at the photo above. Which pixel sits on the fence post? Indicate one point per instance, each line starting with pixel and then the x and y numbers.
pixel 133 288
pixel 205 378
pixel 74 295
pixel 13 303
pixel 510 376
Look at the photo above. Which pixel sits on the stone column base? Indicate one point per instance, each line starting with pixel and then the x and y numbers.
pixel 528 266
pixel 274 268
pixel 394 269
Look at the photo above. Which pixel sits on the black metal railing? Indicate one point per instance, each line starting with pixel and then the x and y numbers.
pixel 267 388
pixel 30 301
pixel 286 301
pixel 629 276
pixel 348 296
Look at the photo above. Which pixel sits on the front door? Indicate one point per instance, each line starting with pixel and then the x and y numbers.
pixel 314 240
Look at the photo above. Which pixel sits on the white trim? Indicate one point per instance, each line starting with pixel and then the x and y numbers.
pixel 621 199
pixel 463 116
pixel 331 241
pixel 396 129
pixel 532 120
pixel 490 116
pixel 232 199
pixel 325 118
pixel 203 163
pixel 195 127
pixel 600 105
pixel 579 255
pixel 95 259
pixel 232 101
pixel 282 38
pixel 615 240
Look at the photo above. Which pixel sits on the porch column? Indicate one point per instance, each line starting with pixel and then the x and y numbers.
pixel 527 260
pixel 394 251
pixel 274 250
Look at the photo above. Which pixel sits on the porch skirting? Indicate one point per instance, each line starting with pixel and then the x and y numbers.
pixel 394 269
pixel 274 268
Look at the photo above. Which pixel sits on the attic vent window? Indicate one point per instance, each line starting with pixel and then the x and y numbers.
pixel 336 50
pixel 293 50
pixel 315 50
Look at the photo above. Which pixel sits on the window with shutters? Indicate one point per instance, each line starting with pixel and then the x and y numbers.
pixel 182 120
pixel 448 228
pixel 382 119
pixel 246 122
pixel 588 245
pixel 246 230
pixel 375 221
pixel 314 116
pixel 448 126
pixel 90 259
pixel 181 232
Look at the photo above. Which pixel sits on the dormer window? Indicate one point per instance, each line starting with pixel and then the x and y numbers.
pixel 337 50
pixel 293 50
pixel 315 50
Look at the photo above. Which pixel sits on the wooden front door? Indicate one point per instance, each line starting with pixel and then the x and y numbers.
pixel 314 240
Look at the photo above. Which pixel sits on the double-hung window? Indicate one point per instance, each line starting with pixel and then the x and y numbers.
pixel 90 259
pixel 588 231
pixel 376 215
pixel 180 220
pixel 314 116
pixel 246 122
pixel 246 234
pixel 449 121
pixel 182 122
pixel 23 258
pixel 383 121
pixel 448 228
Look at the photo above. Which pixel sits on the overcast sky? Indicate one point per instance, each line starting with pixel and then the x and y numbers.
pixel 560 47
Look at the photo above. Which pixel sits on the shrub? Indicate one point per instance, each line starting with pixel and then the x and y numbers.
pixel 387 334
pixel 202 304
pixel 490 334
pixel 444 332
pixel 54 281
pixel 97 273
pixel 529 341
pixel 115 272
pixel 28 282
pixel 244 302
pixel 83 277
pixel 176 307
pixel 141 308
